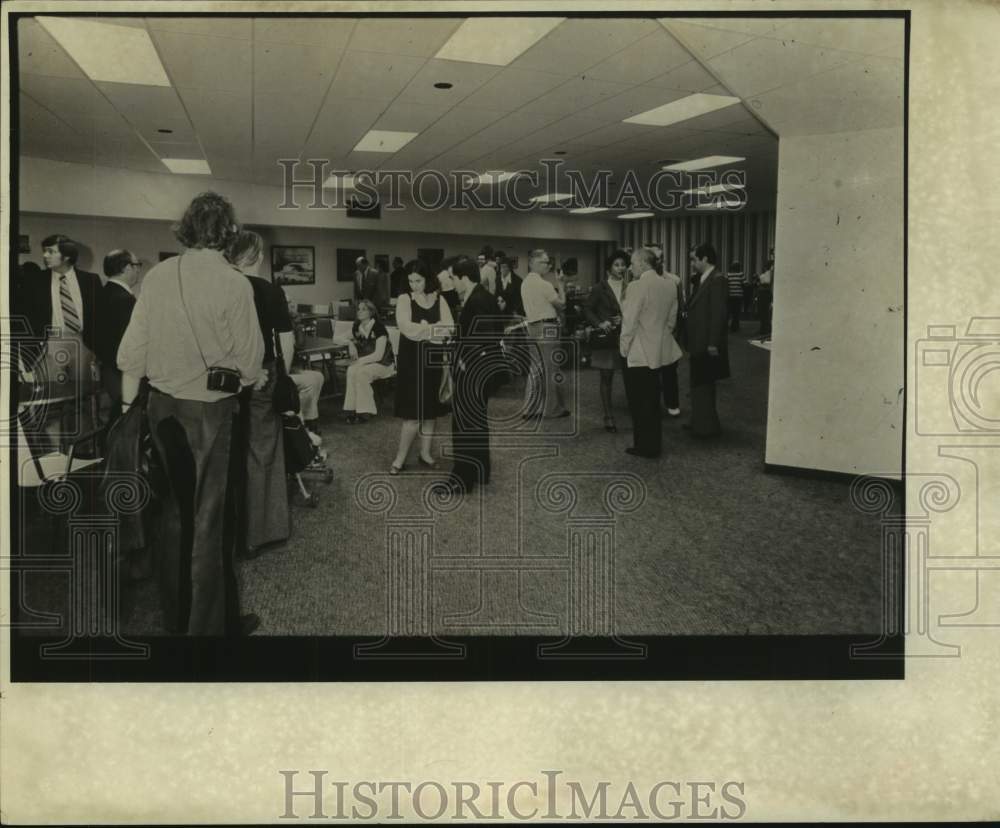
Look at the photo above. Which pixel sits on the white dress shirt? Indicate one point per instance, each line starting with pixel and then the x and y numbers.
pixel 538 296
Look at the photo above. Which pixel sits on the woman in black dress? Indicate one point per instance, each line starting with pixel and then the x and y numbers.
pixel 424 321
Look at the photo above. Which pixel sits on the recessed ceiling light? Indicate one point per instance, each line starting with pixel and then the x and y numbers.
pixel 497 177
pixel 443 85
pixel 493 41
pixel 166 131
pixel 583 211
pixel 676 111
pixel 550 197
pixel 187 166
pixel 116 54
pixel 715 189
pixel 636 215
pixel 384 140
pixel 704 163
pixel 559 152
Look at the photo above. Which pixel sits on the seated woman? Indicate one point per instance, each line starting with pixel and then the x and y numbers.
pixel 373 359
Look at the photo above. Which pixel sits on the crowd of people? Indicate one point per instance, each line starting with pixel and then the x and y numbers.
pixel 206 354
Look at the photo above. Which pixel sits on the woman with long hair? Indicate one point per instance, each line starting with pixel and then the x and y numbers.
pixel 373 360
pixel 424 321
pixel 604 311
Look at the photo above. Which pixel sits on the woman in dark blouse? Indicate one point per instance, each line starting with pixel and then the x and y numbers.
pixel 373 360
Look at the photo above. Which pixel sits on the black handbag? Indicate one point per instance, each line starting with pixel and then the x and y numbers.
pixel 285 394
pixel 602 340
pixel 299 451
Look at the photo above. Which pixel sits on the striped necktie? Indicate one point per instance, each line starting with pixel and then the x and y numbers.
pixel 71 318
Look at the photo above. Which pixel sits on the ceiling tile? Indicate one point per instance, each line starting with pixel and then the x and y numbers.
pixel 610 134
pixel 691 77
pixel 219 26
pixel 341 124
pixel 285 69
pixel 220 118
pixel 76 101
pixel 512 88
pixel 869 36
pixel 171 149
pixel 654 55
pixel 333 34
pixel 402 116
pixel 373 75
pixel 149 108
pixel 632 102
pixel 465 77
pixel 206 62
pixel 718 119
pixel 39 54
pixel 765 64
pixel 420 37
pixel 573 96
pixel 703 41
pixel 35 117
pixel 283 119
pixel 229 170
pixel 578 44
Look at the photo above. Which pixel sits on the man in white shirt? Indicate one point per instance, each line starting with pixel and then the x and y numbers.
pixel 646 344
pixel 542 302
pixel 487 269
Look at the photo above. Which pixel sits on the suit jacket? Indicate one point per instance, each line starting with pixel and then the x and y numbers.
pixel 649 315
pixel 602 304
pixel 37 301
pixel 375 287
pixel 707 313
pixel 513 304
pixel 480 326
pixel 118 305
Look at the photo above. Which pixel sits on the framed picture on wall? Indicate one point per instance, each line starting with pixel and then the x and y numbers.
pixel 346 257
pixel 23 244
pixel 293 265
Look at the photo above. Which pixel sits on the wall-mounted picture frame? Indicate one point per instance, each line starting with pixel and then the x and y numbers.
pixel 23 244
pixel 293 265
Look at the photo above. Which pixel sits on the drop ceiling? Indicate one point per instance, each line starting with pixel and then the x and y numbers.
pixel 247 91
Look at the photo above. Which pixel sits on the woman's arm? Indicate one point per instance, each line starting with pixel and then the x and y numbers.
pixel 445 327
pixel 404 320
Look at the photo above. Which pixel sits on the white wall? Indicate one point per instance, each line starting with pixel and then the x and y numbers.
pixel 836 387
pixel 106 208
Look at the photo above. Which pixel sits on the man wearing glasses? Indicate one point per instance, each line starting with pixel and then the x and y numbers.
pixel 124 270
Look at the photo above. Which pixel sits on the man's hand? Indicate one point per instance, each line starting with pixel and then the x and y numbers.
pixel 261 380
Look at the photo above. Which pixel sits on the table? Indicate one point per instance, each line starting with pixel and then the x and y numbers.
pixel 328 349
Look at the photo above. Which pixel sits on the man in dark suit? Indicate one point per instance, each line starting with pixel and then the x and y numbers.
pixel 476 365
pixel 374 284
pixel 397 279
pixel 707 340
pixel 123 269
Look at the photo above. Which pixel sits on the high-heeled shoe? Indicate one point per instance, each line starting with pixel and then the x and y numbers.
pixel 609 425
pixel 394 469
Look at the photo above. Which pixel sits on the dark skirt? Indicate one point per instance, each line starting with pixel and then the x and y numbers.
pixel 418 380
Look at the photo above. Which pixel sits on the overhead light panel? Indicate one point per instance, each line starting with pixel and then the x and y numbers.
pixel 384 140
pixel 187 166
pixel 106 52
pixel 704 163
pixel 585 211
pixel 494 177
pixel 550 197
pixel 494 40
pixel 715 189
pixel 636 215
pixel 682 110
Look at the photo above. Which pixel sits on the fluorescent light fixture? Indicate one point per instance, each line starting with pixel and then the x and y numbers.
pixel 550 197
pixel 105 52
pixel 704 163
pixel 636 215
pixel 384 140
pixel 346 181
pixel 187 166
pixel 676 111
pixel 494 41
pixel 494 177
pixel 715 189
pixel 584 211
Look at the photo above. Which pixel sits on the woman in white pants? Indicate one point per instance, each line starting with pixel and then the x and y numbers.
pixel 373 360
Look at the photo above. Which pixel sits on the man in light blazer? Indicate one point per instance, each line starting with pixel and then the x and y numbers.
pixel 708 341
pixel 649 313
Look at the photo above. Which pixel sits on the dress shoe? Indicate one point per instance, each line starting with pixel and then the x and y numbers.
pixel 249 623
pixel 558 415
pixel 531 416
pixel 429 464
pixel 636 453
